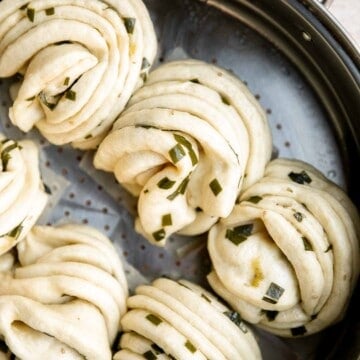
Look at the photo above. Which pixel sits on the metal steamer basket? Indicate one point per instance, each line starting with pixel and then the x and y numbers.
pixel 305 72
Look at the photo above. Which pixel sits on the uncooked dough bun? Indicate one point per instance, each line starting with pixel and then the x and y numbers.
pixel 188 142
pixel 80 62
pixel 22 194
pixel 181 320
pixel 287 258
pixel 65 297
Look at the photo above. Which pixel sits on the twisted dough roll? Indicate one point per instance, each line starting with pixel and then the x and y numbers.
pixel 287 258
pixel 180 320
pixel 189 140
pixel 22 194
pixel 66 298
pixel 81 61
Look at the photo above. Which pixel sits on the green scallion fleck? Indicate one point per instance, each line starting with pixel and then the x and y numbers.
pixel 195 81
pixel 66 81
pixel 47 189
pixel 30 13
pixel 206 298
pixel 89 136
pixel 300 178
pixel 181 140
pixel 177 153
pixel 298 331
pixel 31 98
pixel 215 187
pixel 180 189
pixel 70 95
pixel 145 64
pixel 149 355
pixel 239 234
pixel 153 319
pixel 145 126
pixel 299 216
pixel 166 220
pixel 190 347
pixel 50 11
pixel 159 235
pixel 5 155
pixel 166 183
pixel 15 232
pixel 43 99
pixel 24 6
pixel 237 320
pixel 307 244
pixel 273 293
pixel 129 24
pixel 254 199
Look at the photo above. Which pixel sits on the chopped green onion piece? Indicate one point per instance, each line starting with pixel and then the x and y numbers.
pixel 271 315
pixel 329 248
pixel 157 349
pixel 159 235
pixel 70 95
pixel 181 140
pixel 47 189
pixel 89 136
pixel 149 355
pixel 273 293
pixel 239 234
pixel 167 220
pixel 307 244
pixel 181 189
pixel 66 81
pixel 300 178
pixel 225 100
pixel 237 320
pixel 166 183
pixel 31 98
pixel 254 199
pixel 298 331
pixel 43 99
pixel 4 141
pixel 195 81
pixel 215 187
pixel 177 153
pixel 30 13
pixel 145 63
pixel 299 216
pixel 24 6
pixel 50 11
pixel 153 319
pixel 5 155
pixel 15 232
pixel 206 298
pixel 145 126
pixel 190 347
pixel 129 24
pixel 185 286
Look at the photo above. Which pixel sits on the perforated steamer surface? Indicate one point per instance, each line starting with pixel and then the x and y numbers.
pixel 299 125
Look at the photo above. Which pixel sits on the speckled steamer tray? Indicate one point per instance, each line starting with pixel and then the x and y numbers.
pixel 299 123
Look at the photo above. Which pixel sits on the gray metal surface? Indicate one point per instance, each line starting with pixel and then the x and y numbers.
pixel 300 129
